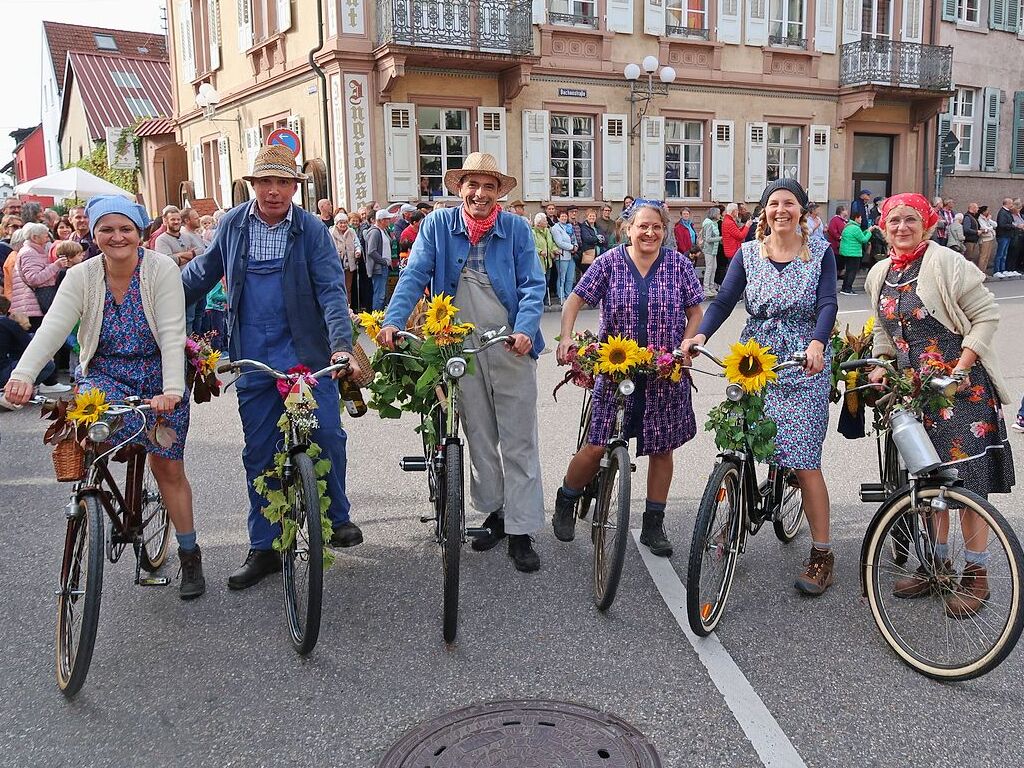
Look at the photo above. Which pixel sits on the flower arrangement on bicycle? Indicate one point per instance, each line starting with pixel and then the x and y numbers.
pixel 739 422
pixel 617 358
pixel 201 371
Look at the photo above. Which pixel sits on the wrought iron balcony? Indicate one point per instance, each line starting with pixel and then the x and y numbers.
pixel 573 19
pixel 674 31
pixel 488 26
pixel 896 64
pixel 781 41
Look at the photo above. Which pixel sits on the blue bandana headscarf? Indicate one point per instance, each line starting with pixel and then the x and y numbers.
pixel 100 206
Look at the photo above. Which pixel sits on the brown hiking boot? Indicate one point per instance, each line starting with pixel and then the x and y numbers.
pixel 968 597
pixel 925 580
pixel 817 574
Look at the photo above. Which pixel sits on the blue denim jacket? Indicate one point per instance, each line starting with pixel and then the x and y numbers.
pixel 440 253
pixel 315 305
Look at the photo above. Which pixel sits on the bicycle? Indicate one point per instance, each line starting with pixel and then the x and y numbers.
pixel 443 462
pixel 302 554
pixel 932 634
pixel 735 505
pixel 136 517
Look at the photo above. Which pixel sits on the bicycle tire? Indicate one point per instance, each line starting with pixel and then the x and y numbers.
pixel 788 524
pixel 452 528
pixel 613 489
pixel 303 610
pixel 156 529
pixel 710 528
pixel 1006 588
pixel 74 649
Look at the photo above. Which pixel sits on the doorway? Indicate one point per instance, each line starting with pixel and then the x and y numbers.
pixel 872 164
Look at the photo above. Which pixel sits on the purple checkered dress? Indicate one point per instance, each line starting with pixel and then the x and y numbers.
pixel 652 311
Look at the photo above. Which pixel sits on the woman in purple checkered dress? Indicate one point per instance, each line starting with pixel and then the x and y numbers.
pixel 652 295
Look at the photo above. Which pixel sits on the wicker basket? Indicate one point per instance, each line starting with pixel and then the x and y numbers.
pixel 364 365
pixel 68 461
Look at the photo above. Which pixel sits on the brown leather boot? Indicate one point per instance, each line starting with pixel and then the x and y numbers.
pixel 968 597
pixel 817 574
pixel 925 580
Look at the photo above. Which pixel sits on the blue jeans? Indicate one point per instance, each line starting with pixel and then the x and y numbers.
pixel 380 287
pixel 566 278
pixel 1002 249
pixel 49 371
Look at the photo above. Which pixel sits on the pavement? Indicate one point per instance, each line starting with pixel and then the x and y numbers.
pixel 215 682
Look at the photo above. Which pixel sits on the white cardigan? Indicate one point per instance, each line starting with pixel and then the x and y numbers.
pixel 80 298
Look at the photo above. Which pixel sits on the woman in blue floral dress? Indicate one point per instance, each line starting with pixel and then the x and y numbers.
pixel 789 283
pixel 651 295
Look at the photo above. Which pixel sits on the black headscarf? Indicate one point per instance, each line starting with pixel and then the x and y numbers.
pixel 788 184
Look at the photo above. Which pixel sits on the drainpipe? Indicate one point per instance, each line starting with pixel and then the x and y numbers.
pixel 324 112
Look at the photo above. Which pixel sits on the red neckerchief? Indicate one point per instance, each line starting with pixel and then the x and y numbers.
pixel 477 228
pixel 900 261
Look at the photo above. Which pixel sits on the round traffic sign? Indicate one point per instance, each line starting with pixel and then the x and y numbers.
pixel 286 138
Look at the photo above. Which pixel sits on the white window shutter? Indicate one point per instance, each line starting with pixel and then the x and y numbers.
pixel 652 158
pixel 723 160
pixel 851 21
pixel 614 157
pixel 990 131
pixel 825 26
pixel 188 49
pixel 294 124
pixel 757 22
pixel 820 142
pixel 654 17
pixel 536 148
pixel 332 19
pixel 913 12
pixel 756 168
pixel 198 182
pixel 620 16
pixel 540 12
pixel 252 146
pixel 729 21
pixel 400 156
pixel 224 157
pixel 284 15
pixel 214 26
pixel 491 134
pixel 244 25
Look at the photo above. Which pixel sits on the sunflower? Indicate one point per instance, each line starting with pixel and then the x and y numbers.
pixel 440 314
pixel 371 322
pixel 750 365
pixel 618 355
pixel 453 334
pixel 88 407
pixel 869 327
pixel 208 364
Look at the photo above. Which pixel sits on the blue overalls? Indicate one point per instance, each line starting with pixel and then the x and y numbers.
pixel 265 336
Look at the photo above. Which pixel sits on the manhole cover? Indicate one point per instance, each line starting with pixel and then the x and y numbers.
pixel 523 734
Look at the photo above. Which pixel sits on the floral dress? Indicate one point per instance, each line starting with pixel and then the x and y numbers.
pixel 651 310
pixel 971 433
pixel 128 363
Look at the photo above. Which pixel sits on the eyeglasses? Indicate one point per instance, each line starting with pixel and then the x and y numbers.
pixel 657 229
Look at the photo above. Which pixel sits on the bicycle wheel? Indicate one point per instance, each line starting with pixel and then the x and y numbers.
pixel 714 549
pixel 452 527
pixel 156 532
pixel 893 478
pixel 610 534
pixel 789 516
pixel 928 633
pixel 303 560
pixel 78 602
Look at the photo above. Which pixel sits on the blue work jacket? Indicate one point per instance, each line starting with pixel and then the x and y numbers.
pixel 316 306
pixel 439 255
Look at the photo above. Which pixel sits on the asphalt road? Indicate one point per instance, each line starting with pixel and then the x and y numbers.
pixel 216 683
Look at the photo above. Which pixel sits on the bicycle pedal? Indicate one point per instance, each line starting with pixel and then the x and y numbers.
pixel 871 487
pixel 427 519
pixel 873 496
pixel 632 467
pixel 413 464
pixel 477 532
pixel 154 581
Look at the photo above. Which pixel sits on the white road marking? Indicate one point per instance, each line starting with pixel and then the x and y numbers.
pixel 762 730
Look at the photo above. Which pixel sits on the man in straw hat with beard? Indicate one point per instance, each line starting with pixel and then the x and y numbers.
pixel 286 292
pixel 486 259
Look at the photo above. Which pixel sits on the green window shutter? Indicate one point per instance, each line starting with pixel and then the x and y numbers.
pixel 948 10
pixel 990 130
pixel 1012 16
pixel 1017 161
pixel 997 13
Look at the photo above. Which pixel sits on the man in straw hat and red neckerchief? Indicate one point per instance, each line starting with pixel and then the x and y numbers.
pixel 486 259
pixel 286 290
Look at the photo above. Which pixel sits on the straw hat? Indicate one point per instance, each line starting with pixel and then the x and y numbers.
pixel 482 163
pixel 275 162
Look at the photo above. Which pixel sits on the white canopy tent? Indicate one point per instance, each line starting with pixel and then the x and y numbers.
pixel 71 182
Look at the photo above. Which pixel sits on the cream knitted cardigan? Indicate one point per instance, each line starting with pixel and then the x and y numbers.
pixel 80 298
pixel 953 291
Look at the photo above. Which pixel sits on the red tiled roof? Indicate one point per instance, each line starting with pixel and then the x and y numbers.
pixel 158 126
pixel 106 104
pixel 62 38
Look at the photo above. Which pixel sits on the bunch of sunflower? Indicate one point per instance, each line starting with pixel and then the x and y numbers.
pixel 370 322
pixel 440 324
pixel 741 425
pixel 848 346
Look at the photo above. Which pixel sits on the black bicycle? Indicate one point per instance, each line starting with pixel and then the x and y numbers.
pixel 734 506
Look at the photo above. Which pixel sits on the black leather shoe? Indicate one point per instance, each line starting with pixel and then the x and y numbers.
pixel 564 519
pixel 525 557
pixel 193 583
pixel 495 523
pixel 258 564
pixel 346 535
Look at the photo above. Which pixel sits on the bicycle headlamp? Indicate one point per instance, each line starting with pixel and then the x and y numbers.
pixel 626 387
pixel 455 368
pixel 734 392
pixel 99 431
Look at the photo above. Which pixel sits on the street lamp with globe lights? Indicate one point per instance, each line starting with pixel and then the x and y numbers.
pixel 641 95
pixel 207 100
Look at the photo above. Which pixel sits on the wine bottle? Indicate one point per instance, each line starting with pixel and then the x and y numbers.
pixel 352 396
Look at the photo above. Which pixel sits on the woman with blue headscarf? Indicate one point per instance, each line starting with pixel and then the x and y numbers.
pixel 131 308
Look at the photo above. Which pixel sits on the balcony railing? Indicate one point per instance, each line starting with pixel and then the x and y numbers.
pixel 781 41
pixel 674 31
pixel 489 26
pixel 573 19
pixel 896 64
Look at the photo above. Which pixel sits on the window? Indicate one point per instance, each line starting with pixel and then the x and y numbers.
pixel 962 124
pixel 784 152
pixel 968 11
pixel 202 35
pixel 443 136
pixel 211 167
pixel 572 156
pixel 786 23
pixel 271 124
pixel 876 19
pixel 684 156
pixel 572 12
pixel 126 79
pixel 264 19
pixel 105 42
pixel 140 107
pixel 686 17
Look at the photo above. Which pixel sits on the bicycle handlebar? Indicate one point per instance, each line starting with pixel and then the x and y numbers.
pixel 114 408
pixel 489 342
pixel 867 362
pixel 797 359
pixel 236 366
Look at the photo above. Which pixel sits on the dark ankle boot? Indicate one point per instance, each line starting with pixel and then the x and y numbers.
pixel 653 535
pixel 564 519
